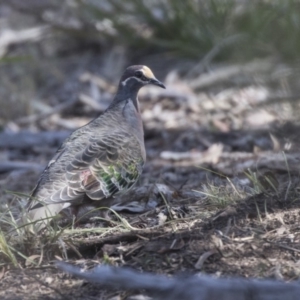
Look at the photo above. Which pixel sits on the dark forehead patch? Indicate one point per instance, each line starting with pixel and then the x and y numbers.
pixel 129 72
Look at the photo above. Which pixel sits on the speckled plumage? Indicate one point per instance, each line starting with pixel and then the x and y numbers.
pixel 100 159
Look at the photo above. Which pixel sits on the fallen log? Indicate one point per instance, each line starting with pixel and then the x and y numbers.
pixel 9 166
pixel 26 139
pixel 190 288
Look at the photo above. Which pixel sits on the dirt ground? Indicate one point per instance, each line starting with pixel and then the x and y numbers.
pixel 206 222
pixel 219 193
pixel 237 242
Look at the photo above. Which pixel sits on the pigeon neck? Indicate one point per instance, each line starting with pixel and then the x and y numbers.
pixel 127 94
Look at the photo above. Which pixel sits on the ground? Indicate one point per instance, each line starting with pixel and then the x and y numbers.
pixel 219 191
pixel 206 222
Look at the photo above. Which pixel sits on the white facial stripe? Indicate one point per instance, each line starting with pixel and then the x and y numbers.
pixel 135 78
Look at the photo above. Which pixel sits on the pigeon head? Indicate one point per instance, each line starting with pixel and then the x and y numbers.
pixel 138 76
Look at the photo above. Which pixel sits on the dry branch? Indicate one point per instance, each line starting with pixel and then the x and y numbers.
pixel 9 166
pixel 10 37
pixel 190 288
pixel 223 74
pixel 27 140
pixel 58 108
pixel 235 162
pixel 211 155
pixel 239 162
pixel 87 100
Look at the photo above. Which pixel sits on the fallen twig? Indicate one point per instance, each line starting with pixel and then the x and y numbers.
pixel 237 162
pixel 34 118
pixel 26 139
pixel 10 37
pixel 9 166
pixel 223 74
pixel 85 99
pixel 211 155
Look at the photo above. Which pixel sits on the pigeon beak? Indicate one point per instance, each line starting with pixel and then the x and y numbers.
pixel 154 81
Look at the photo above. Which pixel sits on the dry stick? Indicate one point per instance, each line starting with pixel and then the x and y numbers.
pixel 282 246
pixel 87 100
pixel 237 162
pixel 271 100
pixel 56 109
pixel 203 258
pixel 250 238
pixel 223 74
pixel 155 232
pixel 208 58
pixel 9 166
pixel 10 37
pixel 27 139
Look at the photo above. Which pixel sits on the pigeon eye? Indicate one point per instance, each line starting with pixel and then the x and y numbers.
pixel 139 74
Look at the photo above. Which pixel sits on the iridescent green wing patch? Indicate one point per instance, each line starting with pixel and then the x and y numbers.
pixel 106 166
pixel 117 178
